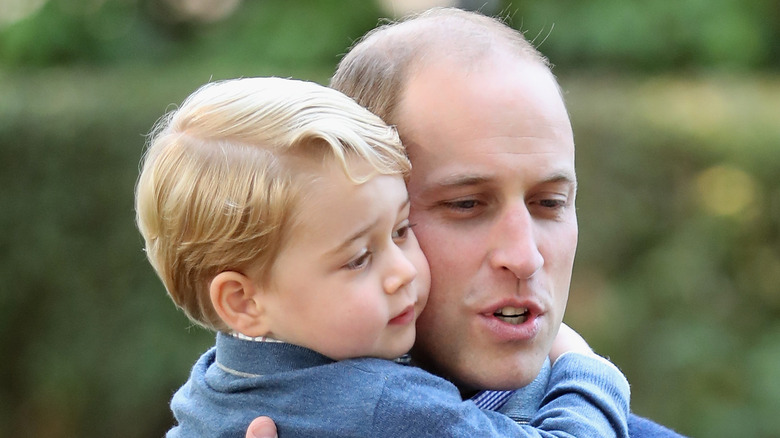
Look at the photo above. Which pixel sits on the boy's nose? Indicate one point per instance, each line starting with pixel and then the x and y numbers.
pixel 401 271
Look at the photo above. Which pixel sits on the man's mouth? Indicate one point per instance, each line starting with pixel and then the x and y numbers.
pixel 512 315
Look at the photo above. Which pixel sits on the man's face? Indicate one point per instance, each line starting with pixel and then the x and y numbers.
pixel 492 191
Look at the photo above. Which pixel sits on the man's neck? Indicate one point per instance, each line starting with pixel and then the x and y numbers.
pixel 467 393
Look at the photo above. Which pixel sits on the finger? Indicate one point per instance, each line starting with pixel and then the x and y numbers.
pixel 261 427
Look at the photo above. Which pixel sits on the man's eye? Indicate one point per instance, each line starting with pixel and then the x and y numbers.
pixel 359 262
pixel 465 204
pixel 552 203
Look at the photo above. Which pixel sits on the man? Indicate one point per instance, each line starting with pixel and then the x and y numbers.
pixel 492 192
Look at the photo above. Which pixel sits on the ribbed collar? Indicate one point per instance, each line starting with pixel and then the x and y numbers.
pixel 261 358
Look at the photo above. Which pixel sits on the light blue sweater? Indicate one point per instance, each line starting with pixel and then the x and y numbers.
pixel 309 395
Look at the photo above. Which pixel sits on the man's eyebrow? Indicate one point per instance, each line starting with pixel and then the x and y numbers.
pixel 473 180
pixel 561 178
pixel 462 181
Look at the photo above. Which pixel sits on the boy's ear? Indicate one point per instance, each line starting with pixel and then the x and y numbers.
pixel 238 301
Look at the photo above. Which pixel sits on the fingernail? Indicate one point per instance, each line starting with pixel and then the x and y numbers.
pixel 264 430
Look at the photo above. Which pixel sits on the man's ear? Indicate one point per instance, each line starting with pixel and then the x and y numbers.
pixel 238 301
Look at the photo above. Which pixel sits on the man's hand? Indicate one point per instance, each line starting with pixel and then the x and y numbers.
pixel 261 427
pixel 568 340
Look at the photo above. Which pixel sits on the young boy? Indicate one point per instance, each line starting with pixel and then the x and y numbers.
pixel 275 212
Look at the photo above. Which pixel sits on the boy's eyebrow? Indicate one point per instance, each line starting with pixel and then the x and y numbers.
pixel 363 231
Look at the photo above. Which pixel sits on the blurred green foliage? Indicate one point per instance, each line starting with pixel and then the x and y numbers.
pixel 654 35
pixel 678 269
pixel 675 108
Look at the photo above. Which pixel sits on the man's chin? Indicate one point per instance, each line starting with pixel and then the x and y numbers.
pixel 497 380
pixel 490 370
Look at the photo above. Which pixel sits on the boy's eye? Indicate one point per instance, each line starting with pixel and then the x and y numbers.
pixel 359 262
pixel 402 232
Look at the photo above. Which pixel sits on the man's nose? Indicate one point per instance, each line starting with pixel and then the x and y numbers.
pixel 400 270
pixel 514 243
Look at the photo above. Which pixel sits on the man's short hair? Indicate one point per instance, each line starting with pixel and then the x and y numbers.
pixel 376 69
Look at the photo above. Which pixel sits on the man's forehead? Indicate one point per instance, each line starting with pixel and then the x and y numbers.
pixel 469 150
pixel 497 91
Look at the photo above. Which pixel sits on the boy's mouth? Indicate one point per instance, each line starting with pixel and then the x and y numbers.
pixel 512 315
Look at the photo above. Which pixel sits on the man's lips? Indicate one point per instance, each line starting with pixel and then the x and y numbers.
pixel 513 320
pixel 405 317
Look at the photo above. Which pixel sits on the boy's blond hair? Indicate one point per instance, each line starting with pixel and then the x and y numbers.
pixel 219 187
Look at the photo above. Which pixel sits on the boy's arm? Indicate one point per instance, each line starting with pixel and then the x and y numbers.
pixel 580 377
pixel 583 395
pixel 587 402
pixel 593 393
pixel 566 410
pixel 586 396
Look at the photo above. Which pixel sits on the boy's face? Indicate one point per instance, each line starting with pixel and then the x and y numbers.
pixel 351 280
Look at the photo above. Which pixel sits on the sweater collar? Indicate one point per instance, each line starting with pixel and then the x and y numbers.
pixel 250 358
